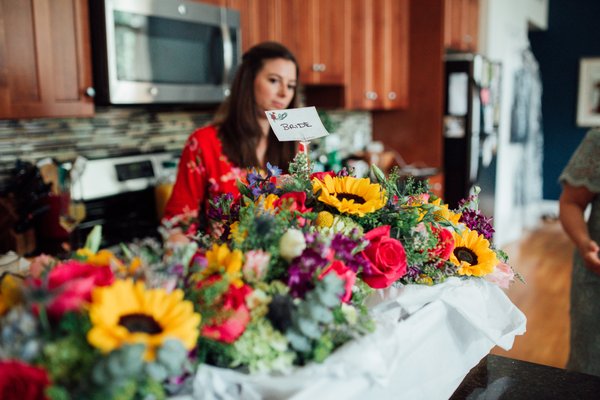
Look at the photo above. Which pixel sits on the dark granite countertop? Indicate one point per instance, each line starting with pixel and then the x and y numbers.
pixel 496 378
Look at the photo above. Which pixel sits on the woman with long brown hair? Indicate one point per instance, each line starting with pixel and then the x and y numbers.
pixel 239 137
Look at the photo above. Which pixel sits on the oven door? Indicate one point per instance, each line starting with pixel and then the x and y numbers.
pixel 123 218
pixel 167 51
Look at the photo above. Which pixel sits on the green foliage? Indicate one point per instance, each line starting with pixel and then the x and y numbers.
pixel 94 239
pixel 313 314
pixel 68 359
pixel 300 166
pixel 215 353
pixel 262 349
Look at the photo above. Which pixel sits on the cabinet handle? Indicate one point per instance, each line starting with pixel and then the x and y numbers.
pixel 392 96
pixel 90 91
pixel 370 95
pixel 319 67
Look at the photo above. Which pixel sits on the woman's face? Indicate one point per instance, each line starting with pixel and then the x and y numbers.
pixel 275 85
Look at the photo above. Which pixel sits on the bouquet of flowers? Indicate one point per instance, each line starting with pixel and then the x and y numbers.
pixel 272 280
pixel 290 262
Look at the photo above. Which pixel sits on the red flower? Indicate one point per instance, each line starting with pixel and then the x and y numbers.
pixel 233 314
pixel 20 381
pixel 386 257
pixel 74 282
pixel 295 200
pixel 344 273
pixel 445 245
pixel 321 175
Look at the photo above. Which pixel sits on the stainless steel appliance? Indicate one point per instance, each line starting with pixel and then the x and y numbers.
pixel 472 114
pixel 163 51
pixel 119 195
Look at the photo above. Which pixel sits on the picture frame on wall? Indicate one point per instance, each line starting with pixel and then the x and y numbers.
pixel 588 96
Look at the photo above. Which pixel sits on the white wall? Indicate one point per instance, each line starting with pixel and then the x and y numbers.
pixel 503 37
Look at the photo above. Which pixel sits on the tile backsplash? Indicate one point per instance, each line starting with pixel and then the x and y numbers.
pixel 118 131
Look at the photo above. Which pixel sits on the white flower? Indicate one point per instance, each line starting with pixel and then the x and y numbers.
pixel 291 244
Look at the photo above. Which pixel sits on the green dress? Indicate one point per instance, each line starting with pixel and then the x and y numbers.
pixel 583 169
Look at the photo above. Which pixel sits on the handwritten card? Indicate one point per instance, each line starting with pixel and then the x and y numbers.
pixel 300 124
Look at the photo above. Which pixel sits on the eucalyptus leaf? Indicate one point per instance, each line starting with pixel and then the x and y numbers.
pixel 156 371
pixel 297 341
pixel 320 313
pixel 172 355
pixel 309 328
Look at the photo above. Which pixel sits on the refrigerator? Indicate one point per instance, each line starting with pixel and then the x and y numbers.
pixel 471 118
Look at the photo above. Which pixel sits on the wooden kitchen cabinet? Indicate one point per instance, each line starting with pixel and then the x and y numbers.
pixel 312 29
pixel 379 50
pixel 45 61
pixel 461 25
pixel 320 40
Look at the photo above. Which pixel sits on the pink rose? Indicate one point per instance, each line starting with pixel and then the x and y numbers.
pixel 502 275
pixel 22 381
pixel 386 256
pixel 256 266
pixel 344 273
pixel 232 313
pixel 74 282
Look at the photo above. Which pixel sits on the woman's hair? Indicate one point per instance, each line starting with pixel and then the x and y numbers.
pixel 236 118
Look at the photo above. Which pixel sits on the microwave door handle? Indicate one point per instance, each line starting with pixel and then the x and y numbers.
pixel 227 47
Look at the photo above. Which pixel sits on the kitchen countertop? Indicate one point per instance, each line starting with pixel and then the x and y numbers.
pixel 497 377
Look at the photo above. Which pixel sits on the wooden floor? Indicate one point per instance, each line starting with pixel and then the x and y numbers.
pixel 543 258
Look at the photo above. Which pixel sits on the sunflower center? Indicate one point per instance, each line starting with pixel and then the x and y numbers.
pixel 465 254
pixel 140 323
pixel 350 196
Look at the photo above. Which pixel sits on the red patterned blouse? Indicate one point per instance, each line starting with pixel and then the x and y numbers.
pixel 203 172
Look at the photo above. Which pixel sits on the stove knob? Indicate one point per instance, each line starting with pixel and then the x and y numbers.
pixel 153 91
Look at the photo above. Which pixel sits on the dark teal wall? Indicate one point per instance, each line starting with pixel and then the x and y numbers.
pixel 573 32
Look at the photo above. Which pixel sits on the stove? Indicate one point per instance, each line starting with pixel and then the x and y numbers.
pixel 118 194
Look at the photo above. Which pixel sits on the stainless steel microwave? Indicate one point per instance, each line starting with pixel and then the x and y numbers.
pixel 163 51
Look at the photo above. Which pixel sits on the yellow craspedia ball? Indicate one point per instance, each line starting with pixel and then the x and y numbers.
pixel 324 219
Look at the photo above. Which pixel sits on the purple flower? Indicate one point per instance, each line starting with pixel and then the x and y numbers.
pixel 302 271
pixel 273 170
pixel 476 221
pixel 413 272
pixel 343 246
pixel 259 185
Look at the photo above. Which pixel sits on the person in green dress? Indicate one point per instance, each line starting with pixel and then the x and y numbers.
pixel 581 188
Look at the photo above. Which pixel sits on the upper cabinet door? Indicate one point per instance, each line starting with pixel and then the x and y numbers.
pixel 313 30
pixel 45 62
pixel 461 25
pixel 321 40
pixel 378 55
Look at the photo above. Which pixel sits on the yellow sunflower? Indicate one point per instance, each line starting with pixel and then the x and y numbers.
pixel 350 195
pixel 128 313
pixel 472 254
pixel 222 260
pixel 443 212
